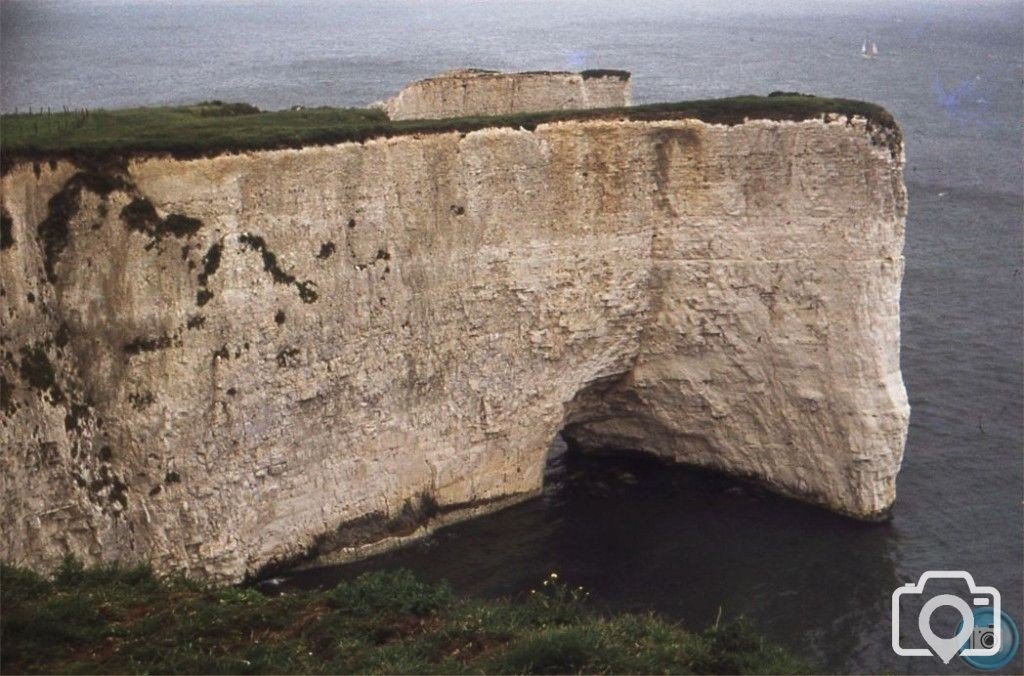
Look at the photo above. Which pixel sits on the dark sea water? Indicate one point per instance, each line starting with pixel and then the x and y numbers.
pixel 636 535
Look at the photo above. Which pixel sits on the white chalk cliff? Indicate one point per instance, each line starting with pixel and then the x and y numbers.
pixel 471 92
pixel 217 364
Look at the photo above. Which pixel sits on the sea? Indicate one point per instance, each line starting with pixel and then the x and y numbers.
pixel 641 537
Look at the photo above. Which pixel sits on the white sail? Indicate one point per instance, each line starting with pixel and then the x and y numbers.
pixel 874 49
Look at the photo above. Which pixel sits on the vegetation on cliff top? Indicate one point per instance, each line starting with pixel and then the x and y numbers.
pixel 112 620
pixel 214 127
pixel 595 73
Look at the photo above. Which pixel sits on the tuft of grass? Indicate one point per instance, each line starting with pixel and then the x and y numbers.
pixel 214 127
pixel 126 620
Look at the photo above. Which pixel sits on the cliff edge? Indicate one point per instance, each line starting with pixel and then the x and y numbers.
pixel 222 363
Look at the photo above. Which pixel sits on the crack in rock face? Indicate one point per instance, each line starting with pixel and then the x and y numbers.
pixel 227 364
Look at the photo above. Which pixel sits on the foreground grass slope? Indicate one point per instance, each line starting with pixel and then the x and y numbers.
pixel 214 127
pixel 127 621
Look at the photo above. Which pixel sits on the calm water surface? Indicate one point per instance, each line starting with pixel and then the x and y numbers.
pixel 636 535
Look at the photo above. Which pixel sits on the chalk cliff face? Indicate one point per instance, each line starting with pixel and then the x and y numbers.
pixel 460 93
pixel 218 364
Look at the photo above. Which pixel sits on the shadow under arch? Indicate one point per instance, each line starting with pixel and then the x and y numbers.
pixel 609 414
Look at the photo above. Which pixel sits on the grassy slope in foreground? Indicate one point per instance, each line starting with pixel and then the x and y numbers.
pixel 211 128
pixel 112 620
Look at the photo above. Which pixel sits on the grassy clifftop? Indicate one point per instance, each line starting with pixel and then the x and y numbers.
pixel 127 621
pixel 211 128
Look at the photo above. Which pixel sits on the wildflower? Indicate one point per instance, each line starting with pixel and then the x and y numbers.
pixel 554 576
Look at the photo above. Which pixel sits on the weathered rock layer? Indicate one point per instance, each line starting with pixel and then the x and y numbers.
pixel 469 92
pixel 217 364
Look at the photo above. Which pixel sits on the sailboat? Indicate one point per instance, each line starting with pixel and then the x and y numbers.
pixel 867 52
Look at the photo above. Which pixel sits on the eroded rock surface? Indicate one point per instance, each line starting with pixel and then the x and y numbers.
pixel 218 364
pixel 470 92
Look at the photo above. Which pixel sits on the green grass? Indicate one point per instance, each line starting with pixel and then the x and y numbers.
pixel 214 127
pixel 114 620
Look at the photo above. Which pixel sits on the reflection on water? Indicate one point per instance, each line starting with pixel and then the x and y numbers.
pixel 643 535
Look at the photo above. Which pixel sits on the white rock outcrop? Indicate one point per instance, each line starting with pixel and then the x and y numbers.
pixel 218 364
pixel 471 92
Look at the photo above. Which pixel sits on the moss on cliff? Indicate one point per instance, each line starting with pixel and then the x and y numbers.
pixel 54 231
pixel 112 620
pixel 185 133
pixel 306 289
pixel 140 215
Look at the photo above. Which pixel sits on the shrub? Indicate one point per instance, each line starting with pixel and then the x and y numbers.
pixel 397 592
pixel 125 620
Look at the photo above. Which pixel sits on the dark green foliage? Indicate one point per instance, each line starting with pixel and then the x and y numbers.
pixel 389 593
pixel 217 108
pixel 595 73
pixel 124 620
pixel 185 132
pixel 732 648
